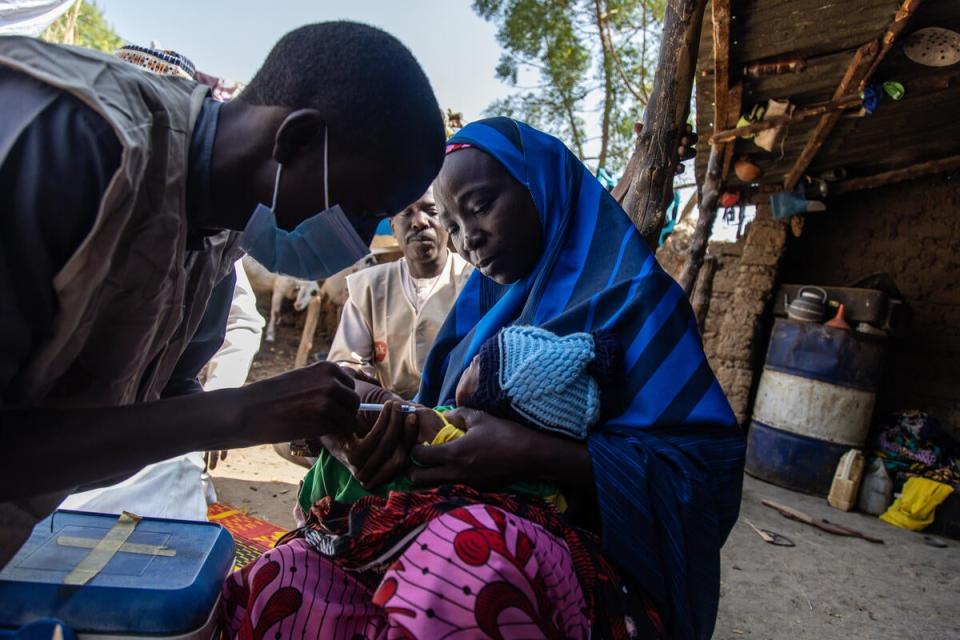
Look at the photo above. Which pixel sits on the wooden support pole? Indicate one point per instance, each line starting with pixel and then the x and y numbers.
pixel 842 104
pixel 722 98
pixel 864 63
pixel 309 329
pixel 943 165
pixel 710 194
pixel 665 117
pixel 906 11
pixel 733 114
pixel 721 155
pixel 701 299
pixel 720 12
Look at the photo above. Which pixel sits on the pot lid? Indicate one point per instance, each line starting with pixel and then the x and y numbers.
pixel 933 47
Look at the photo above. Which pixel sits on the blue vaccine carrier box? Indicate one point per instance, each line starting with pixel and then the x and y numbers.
pixel 163 582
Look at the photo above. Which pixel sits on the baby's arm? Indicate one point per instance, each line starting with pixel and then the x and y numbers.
pixel 429 424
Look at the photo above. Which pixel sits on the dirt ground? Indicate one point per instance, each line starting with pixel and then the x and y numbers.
pixel 830 587
pixel 257 478
pixel 825 588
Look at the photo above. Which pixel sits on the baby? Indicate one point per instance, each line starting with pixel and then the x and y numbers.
pixel 525 374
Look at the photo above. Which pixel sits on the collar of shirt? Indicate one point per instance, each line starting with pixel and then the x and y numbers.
pixel 199 191
pixel 419 290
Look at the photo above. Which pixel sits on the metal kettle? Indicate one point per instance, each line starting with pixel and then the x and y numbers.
pixel 810 305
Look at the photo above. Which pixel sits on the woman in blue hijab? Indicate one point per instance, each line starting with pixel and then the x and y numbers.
pixel 668 469
pixel 658 481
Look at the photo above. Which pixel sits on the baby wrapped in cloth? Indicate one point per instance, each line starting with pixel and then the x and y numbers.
pixel 526 374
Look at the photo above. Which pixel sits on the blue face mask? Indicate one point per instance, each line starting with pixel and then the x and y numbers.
pixel 317 248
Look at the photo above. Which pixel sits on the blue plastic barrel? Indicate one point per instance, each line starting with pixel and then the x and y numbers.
pixel 814 402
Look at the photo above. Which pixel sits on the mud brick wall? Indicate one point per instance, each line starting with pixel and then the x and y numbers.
pixel 910 230
pixel 727 255
pixel 736 351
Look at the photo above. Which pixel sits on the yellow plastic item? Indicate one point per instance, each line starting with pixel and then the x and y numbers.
pixel 448 433
pixel 914 508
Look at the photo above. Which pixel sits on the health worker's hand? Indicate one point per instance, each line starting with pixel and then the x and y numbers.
pixel 383 452
pixel 360 376
pixel 304 403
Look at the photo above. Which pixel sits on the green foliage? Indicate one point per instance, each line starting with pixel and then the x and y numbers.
pixel 589 56
pixel 84 26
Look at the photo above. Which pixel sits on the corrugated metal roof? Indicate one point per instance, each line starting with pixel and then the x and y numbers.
pixel 925 125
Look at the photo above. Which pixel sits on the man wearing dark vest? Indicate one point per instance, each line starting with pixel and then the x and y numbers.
pixel 124 199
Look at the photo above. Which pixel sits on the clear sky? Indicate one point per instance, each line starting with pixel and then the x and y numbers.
pixel 230 38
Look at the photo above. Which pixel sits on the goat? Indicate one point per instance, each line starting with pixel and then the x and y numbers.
pixel 280 288
pixel 324 307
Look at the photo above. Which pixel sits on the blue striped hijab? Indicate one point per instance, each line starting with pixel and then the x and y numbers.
pixel 669 467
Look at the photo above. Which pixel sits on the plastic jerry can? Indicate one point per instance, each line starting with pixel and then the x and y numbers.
pixel 876 494
pixel 846 481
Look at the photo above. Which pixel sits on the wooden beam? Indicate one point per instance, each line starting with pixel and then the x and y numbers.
pixel 710 194
pixel 779 121
pixel 701 301
pixel 734 105
pixel 720 11
pixel 943 165
pixel 861 62
pixel 775 68
pixel 724 101
pixel 906 11
pixel 665 118
pixel 864 63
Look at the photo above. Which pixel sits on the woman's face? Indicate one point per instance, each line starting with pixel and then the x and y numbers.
pixel 491 218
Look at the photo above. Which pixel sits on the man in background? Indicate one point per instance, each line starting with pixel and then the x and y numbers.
pixel 395 309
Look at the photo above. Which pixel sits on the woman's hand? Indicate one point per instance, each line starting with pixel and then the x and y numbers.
pixel 495 452
pixel 382 453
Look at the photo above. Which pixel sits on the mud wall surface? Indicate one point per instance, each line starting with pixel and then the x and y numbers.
pixel 911 231
pixel 736 341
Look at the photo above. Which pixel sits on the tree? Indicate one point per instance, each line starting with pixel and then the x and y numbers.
pixel 83 25
pixel 590 56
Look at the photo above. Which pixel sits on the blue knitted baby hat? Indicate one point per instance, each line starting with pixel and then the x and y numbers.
pixel 547 378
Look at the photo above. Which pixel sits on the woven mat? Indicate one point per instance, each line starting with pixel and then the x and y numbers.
pixel 252 535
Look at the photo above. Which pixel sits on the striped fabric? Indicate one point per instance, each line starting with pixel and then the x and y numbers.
pixel 669 466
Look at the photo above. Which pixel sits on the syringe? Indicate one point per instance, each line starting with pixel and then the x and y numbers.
pixel 369 406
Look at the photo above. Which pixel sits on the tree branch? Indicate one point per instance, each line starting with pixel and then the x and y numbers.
pixel 664 119
pixel 608 92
